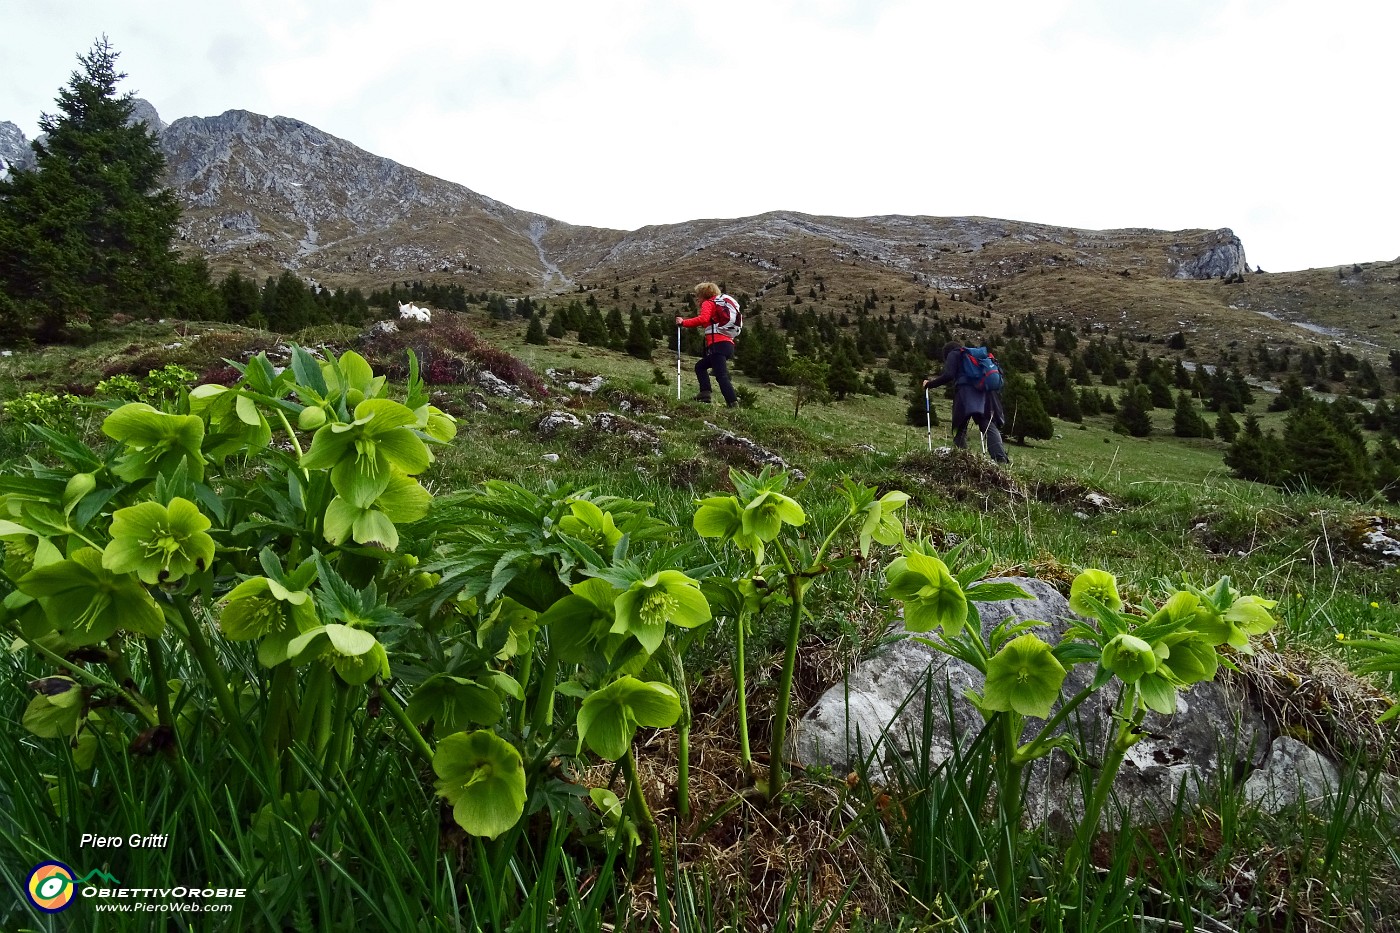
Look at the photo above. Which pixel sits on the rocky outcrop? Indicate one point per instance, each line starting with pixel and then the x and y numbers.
pixel 879 713
pixel 1223 258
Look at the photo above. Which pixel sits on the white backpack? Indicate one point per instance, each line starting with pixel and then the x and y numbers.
pixel 727 306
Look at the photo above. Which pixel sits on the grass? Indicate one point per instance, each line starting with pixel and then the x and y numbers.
pixel 382 857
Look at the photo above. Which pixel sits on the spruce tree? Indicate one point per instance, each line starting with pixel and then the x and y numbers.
pixel 87 231
pixel 534 332
pixel 638 342
pixel 1025 414
pixel 1134 416
pixel 1226 427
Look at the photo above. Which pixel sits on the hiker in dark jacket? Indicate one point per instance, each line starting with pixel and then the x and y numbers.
pixel 971 403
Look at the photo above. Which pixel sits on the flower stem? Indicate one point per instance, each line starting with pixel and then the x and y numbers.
pixel 742 699
pixel 213 674
pixel 1129 719
pixel 415 737
pixel 138 703
pixel 776 775
pixel 642 814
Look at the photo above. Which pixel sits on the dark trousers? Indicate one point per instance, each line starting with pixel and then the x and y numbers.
pixel 716 359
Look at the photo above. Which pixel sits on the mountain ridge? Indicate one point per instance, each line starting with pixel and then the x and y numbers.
pixel 266 194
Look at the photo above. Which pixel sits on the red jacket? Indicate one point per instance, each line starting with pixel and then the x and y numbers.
pixel 703 319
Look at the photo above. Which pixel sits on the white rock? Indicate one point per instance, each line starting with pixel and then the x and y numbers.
pixel 551 458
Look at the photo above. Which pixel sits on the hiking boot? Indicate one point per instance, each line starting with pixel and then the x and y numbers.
pixel 702 399
pixel 731 404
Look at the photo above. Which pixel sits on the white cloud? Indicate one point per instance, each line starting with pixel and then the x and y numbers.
pixel 1268 116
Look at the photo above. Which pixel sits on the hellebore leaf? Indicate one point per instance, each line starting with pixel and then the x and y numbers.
pixel 1023 677
pixel 483 777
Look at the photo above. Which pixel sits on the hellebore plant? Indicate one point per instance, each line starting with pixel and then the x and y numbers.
pixel 756 518
pixel 136 549
pixel 1149 654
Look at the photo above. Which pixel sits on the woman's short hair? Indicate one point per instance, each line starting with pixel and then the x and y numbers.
pixel 951 347
pixel 706 290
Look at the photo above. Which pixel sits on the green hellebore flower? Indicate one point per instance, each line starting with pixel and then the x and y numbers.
pixel 932 597
pixel 483 777
pixel 765 516
pixel 722 517
pixel 582 620
pixel 453 702
pixel 1157 692
pixel 1095 584
pixel 591 525
pixel 401 501
pixel 356 379
pixel 234 421
pixel 87 603
pixel 260 606
pixel 156 442
pixel 436 423
pixel 1251 614
pixel 645 607
pixel 356 654
pixel 160 544
pixel 363 454
pixel 1246 616
pixel 880 523
pixel 1190 659
pixel 1129 657
pixel 608 718
pixel 1023 677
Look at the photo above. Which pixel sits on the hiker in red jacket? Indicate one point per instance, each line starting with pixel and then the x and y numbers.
pixel 719 347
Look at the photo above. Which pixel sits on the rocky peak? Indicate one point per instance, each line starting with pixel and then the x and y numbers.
pixel 14 148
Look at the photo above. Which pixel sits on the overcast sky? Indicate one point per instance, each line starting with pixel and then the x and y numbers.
pixel 1276 118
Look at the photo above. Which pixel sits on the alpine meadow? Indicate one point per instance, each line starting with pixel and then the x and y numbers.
pixel 370 563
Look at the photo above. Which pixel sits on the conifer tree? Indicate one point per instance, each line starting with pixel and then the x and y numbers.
pixel 1025 414
pixel 1134 416
pixel 534 332
pixel 1226 427
pixel 638 342
pixel 1186 421
pixel 87 231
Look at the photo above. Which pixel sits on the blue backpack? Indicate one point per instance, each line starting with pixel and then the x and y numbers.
pixel 979 368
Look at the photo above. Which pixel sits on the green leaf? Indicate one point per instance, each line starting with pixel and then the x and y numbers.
pixel 307 370
pixel 483 777
pixel 996 592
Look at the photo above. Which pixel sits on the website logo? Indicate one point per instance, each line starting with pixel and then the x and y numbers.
pixel 52 886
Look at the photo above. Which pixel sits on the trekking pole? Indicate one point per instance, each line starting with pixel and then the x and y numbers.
pixel 928 419
pixel 678 362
